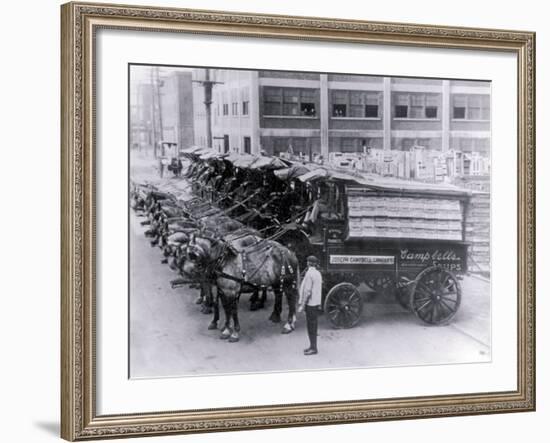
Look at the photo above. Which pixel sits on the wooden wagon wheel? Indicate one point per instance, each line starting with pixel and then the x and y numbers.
pixel 435 295
pixel 343 305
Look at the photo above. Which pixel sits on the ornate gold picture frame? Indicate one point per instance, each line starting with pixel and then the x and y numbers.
pixel 80 23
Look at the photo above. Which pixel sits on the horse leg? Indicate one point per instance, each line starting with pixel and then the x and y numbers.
pixel 263 298
pixel 226 331
pixel 206 303
pixel 290 293
pixel 200 297
pixel 256 301
pixel 214 323
pixel 235 335
pixel 275 316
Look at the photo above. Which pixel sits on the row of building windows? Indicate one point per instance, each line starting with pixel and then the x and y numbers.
pixel 234 108
pixel 227 143
pixel 471 107
pixel 416 105
pixel 291 101
pixel 279 101
pixel 362 104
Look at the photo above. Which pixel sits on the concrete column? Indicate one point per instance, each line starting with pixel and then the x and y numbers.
pixel 324 115
pixel 254 111
pixel 446 115
pixel 386 119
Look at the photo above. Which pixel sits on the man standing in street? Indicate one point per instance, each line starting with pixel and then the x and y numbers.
pixel 310 300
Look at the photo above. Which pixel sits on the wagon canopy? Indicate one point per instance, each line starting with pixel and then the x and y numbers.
pixel 211 154
pixel 267 163
pixel 294 171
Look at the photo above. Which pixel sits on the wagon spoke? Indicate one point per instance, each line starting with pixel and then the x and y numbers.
pixel 354 315
pixel 424 288
pixel 450 283
pixel 422 299
pixel 424 305
pixel 336 318
pixel 454 300
pixel 444 303
pixel 433 313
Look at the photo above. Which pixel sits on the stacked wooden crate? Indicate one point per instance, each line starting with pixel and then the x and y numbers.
pixel 404 217
pixel 478 232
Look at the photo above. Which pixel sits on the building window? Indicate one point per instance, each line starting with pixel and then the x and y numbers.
pixel 245 108
pixel 290 101
pixel 401 111
pixel 226 146
pixel 273 101
pixel 234 108
pixel 471 107
pixel 339 110
pixel 371 111
pixel 247 145
pixel 459 112
pixel 417 106
pixel 225 109
pixel 308 98
pixel 431 111
pixel 358 104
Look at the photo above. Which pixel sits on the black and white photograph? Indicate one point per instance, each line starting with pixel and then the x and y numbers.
pixel 290 221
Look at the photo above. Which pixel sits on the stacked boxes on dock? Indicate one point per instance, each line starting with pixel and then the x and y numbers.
pixel 478 231
pixel 404 217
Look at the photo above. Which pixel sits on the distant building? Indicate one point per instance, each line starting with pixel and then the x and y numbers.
pixel 176 98
pixel 163 101
pixel 317 114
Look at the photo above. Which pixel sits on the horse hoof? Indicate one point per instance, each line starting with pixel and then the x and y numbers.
pixel 234 338
pixel 164 261
pixel 213 325
pixel 275 318
pixel 206 310
pixel 198 300
pixel 226 333
pixel 287 329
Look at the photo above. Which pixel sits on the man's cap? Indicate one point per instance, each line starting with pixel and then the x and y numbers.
pixel 312 259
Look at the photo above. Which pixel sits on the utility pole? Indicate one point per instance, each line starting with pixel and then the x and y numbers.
pixel 157 89
pixel 156 110
pixel 153 114
pixel 208 85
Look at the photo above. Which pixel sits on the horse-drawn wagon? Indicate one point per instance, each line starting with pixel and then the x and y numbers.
pixel 399 238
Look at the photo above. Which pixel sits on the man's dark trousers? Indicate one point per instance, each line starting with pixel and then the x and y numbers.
pixel 312 312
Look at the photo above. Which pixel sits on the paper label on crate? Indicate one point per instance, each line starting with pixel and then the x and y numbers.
pixel 362 259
